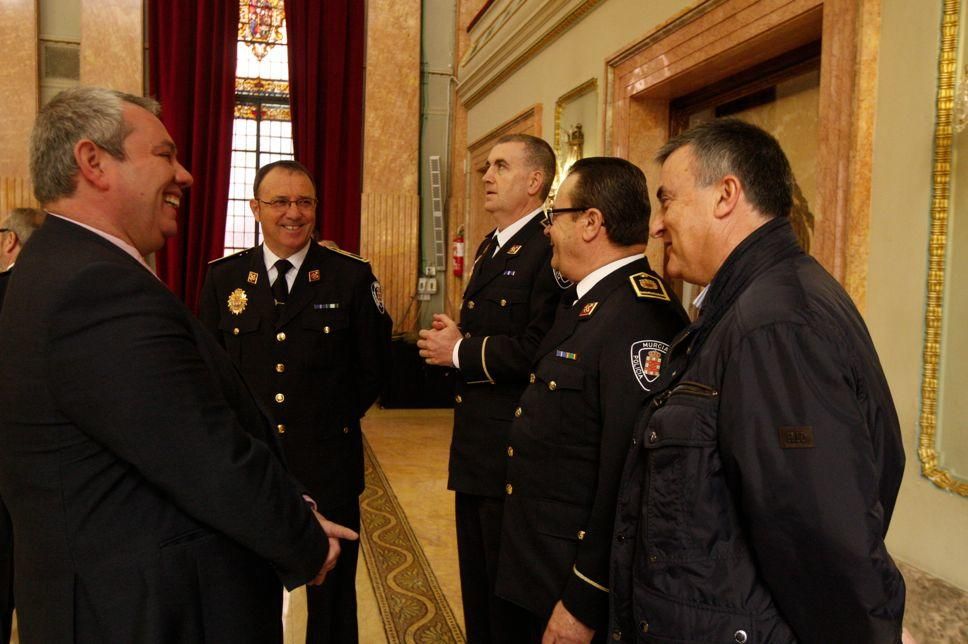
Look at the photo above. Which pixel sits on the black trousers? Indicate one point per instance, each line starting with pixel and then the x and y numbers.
pixel 332 606
pixel 6 574
pixel 488 619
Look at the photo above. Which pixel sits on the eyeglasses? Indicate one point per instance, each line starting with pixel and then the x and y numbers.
pixel 304 204
pixel 5 230
pixel 551 213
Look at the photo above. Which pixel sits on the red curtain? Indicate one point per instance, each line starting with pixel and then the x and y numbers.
pixel 192 73
pixel 326 46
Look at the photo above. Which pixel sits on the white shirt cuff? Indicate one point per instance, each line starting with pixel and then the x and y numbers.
pixel 454 358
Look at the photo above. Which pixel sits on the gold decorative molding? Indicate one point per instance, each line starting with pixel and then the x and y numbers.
pixel 588 86
pixel 511 38
pixel 940 206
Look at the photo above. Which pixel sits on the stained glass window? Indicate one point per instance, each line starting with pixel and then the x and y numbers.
pixel 262 130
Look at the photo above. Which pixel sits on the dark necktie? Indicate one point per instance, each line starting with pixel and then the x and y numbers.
pixel 280 289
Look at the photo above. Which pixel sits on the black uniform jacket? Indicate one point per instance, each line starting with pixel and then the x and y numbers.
pixel 597 365
pixel 755 500
pixel 6 535
pixel 146 489
pixel 318 368
pixel 508 306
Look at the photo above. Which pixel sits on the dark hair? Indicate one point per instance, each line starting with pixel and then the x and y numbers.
pixel 285 164
pixel 731 146
pixel 618 189
pixel 539 156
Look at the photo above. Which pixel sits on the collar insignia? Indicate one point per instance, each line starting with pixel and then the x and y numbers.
pixel 252 278
pixel 588 309
pixel 314 275
pixel 646 285
pixel 514 249
pixel 238 299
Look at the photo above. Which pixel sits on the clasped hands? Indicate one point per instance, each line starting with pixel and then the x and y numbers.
pixel 335 532
pixel 436 344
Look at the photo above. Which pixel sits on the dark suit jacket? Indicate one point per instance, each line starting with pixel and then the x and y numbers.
pixel 328 369
pixel 147 495
pixel 508 306
pixel 594 369
pixel 6 537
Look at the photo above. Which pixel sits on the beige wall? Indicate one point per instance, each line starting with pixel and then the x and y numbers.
pixel 18 84
pixel 930 527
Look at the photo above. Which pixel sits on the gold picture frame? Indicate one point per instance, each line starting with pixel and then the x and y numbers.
pixel 928 451
pixel 589 86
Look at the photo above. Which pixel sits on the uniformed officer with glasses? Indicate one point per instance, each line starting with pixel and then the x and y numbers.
pixel 308 329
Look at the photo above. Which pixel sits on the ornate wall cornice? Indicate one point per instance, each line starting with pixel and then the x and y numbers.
pixel 511 33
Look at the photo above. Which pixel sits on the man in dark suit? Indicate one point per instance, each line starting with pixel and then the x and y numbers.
pixel 508 306
pixel 592 372
pixel 15 230
pixel 307 328
pixel 147 493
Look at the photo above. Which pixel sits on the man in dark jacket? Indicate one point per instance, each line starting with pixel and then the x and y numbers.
pixel 306 326
pixel 508 306
pixel 592 372
pixel 760 484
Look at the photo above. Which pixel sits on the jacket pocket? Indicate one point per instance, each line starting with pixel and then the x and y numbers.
pixel 235 330
pixel 329 330
pixel 685 488
pixel 660 618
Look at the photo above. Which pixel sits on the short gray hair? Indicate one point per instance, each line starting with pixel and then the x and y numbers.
pixel 538 155
pixel 22 222
pixel 78 113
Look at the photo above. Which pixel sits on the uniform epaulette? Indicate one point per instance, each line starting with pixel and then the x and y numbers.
pixel 348 254
pixel 648 286
pixel 222 259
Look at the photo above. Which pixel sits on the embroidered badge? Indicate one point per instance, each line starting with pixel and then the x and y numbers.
pixel 237 300
pixel 563 282
pixel 646 285
pixel 567 355
pixel 647 361
pixel 796 437
pixel 329 305
pixel 377 292
pixel 588 309
pixel 314 275
pixel 514 249
pixel 252 278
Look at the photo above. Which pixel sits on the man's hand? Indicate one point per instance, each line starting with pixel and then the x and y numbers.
pixel 437 344
pixel 335 532
pixel 563 628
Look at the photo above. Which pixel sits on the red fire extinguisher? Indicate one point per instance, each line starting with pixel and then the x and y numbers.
pixel 459 253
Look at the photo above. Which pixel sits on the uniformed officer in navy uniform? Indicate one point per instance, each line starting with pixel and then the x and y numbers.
pixel 597 365
pixel 508 306
pixel 307 327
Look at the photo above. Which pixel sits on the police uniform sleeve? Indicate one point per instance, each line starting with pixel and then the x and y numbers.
pixel 372 327
pixel 802 462
pixel 620 398
pixel 507 358
pixel 208 309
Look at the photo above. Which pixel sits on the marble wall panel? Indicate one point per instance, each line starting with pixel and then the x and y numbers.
pixel 18 84
pixel 112 44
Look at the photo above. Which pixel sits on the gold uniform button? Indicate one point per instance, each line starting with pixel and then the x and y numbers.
pixel 458 399
pixel 235 331
pixel 280 337
pixel 280 398
pixel 471 304
pixel 326 329
pixel 531 378
pixel 346 430
pixel 280 368
pixel 508 488
pixel 504 302
pixel 581 535
pixel 281 429
pixel 653 437
pixel 467 335
pixel 552 385
pixel 510 451
pixel 518 412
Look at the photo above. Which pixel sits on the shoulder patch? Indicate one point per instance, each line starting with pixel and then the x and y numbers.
pixel 648 286
pixel 347 254
pixel 219 260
